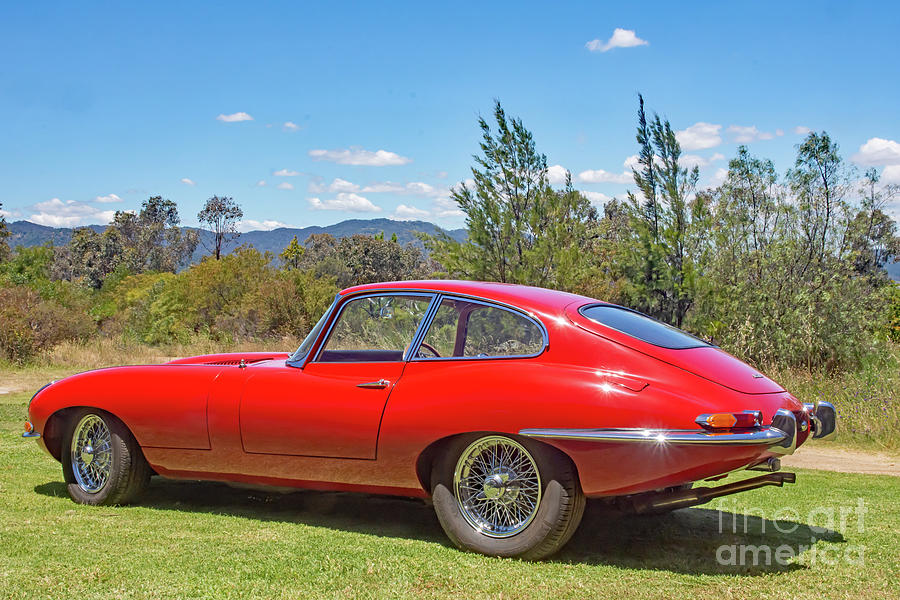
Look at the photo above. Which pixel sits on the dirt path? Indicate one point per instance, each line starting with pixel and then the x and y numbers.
pixel 812 456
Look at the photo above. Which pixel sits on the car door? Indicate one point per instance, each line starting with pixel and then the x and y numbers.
pixel 332 407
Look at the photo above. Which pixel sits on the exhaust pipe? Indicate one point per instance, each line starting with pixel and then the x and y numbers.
pixel 655 502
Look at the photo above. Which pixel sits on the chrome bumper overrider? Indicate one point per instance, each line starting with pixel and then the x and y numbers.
pixel 824 420
pixel 31 434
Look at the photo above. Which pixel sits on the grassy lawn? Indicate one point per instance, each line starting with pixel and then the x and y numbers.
pixel 208 540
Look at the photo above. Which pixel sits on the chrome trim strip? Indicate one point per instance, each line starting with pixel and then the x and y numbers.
pixel 300 361
pixel 764 436
pixel 350 298
pixel 422 329
pixel 490 304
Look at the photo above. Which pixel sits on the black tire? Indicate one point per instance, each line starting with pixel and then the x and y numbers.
pixel 125 473
pixel 557 515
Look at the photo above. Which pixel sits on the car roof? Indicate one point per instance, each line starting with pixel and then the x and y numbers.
pixel 522 296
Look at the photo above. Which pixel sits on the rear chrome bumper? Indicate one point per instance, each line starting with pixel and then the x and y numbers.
pixel 780 436
pixel 762 435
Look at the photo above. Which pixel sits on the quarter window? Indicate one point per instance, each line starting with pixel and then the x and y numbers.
pixel 375 329
pixel 464 329
pixel 641 326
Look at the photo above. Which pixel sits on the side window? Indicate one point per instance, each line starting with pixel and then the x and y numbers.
pixel 462 329
pixel 374 329
pixel 498 332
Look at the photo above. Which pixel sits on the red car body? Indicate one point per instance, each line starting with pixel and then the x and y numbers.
pixel 624 410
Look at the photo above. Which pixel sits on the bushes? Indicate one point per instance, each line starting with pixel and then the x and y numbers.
pixel 31 324
pixel 242 296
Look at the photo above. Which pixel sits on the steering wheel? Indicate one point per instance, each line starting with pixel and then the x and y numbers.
pixel 430 348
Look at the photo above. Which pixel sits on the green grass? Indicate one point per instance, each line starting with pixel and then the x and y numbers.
pixel 208 540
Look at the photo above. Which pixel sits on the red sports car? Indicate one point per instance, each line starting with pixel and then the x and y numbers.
pixel 506 405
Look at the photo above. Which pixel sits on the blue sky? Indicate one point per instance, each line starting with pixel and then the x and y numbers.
pixel 368 110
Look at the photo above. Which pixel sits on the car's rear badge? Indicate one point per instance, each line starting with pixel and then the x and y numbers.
pixel 757 376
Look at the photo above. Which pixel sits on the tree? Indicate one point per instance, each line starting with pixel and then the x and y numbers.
pixel 4 234
pixel 292 255
pixel 148 241
pixel 668 222
pixel 222 215
pixel 520 229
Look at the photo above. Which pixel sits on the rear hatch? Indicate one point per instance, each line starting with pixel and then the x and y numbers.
pixel 702 360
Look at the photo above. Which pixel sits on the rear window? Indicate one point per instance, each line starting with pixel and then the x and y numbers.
pixel 641 326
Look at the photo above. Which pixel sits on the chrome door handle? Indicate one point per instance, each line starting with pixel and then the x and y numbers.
pixel 374 385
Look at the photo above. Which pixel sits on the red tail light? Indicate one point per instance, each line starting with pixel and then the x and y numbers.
pixel 736 420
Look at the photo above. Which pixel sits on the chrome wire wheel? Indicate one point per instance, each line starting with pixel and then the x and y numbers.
pixel 497 486
pixel 91 453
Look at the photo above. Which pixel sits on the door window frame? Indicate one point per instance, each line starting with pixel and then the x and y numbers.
pixel 440 297
pixel 413 342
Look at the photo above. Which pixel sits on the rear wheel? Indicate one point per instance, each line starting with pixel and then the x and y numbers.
pixel 503 497
pixel 102 463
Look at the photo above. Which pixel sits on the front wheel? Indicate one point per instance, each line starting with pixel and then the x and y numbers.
pixel 503 497
pixel 102 462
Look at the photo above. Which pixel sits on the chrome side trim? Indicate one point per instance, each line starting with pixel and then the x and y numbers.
pixel 764 436
pixel 31 434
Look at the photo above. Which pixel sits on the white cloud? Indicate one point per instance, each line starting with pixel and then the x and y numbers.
pixel 234 117
pixel 359 156
pixel 8 214
pixel 187 181
pixel 632 161
pixel 290 126
pixel 250 225
pixel 556 175
pixel 601 176
pixel 746 134
pixel 344 201
pixel 284 185
pixel 596 198
pixel 693 160
pixel 718 178
pixel 384 187
pixel 404 212
pixel 621 38
pixel 107 198
pixel 342 185
pixel 56 213
pixel 699 136
pixel 891 174
pixel 286 173
pixel 447 208
pixel 779 132
pixel 801 130
pixel 877 152
pixel 261 183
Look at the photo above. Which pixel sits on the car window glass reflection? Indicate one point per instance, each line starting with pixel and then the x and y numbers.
pixel 375 329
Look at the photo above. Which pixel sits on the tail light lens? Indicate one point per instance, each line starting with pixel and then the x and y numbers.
pixel 737 420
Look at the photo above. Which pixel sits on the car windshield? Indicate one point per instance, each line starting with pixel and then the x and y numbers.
pixel 310 338
pixel 641 326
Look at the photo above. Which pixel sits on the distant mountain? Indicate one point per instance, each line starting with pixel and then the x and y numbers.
pixel 25 233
